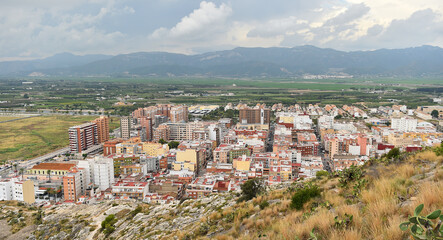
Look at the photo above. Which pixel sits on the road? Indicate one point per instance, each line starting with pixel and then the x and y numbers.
pixel 32 162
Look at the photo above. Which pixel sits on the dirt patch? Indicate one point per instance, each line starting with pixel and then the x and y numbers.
pixel 5 229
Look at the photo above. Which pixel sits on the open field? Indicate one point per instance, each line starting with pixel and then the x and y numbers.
pixel 6 118
pixel 32 137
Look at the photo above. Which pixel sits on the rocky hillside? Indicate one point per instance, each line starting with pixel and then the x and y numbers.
pixel 366 202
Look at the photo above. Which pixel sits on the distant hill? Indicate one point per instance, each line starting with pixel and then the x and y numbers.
pixel 62 60
pixel 424 61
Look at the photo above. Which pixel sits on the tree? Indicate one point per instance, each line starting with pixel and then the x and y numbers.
pixel 434 113
pixel 49 175
pixel 173 144
pixel 338 117
pixel 393 153
pixel 250 189
pixel 50 191
pixel 15 168
pixel 162 141
pixel 22 171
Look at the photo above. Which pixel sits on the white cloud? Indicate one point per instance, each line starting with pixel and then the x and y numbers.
pixel 207 18
pixel 41 28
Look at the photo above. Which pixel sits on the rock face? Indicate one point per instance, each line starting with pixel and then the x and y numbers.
pixel 134 220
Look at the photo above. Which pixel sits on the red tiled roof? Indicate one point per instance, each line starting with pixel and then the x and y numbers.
pixel 54 166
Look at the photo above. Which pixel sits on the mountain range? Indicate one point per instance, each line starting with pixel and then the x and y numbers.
pixel 424 61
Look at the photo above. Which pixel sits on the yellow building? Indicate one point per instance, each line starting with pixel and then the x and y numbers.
pixel 128 148
pixel 155 149
pixel 24 191
pixel 286 119
pixel 241 164
pixel 177 166
pixel 28 192
pixel 57 170
pixel 399 140
pixel 189 155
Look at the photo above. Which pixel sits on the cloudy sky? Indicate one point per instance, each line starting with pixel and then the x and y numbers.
pixel 34 29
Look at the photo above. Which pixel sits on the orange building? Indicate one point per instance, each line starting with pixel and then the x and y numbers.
pixel 109 147
pixel 102 128
pixel 72 186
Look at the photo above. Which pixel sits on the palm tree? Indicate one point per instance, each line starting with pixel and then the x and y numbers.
pixel 22 171
pixel 49 191
pixel 49 175
pixel 59 189
pixel 15 167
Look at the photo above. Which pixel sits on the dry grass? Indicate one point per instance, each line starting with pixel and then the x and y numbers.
pixel 438 175
pixel 351 234
pixel 334 198
pixel 32 137
pixel 376 216
pixel 431 195
pixel 353 210
pixel 406 170
pixel 425 156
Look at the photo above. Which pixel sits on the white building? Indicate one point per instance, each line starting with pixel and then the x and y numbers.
pixel 6 189
pixel 325 121
pixel 404 124
pixel 103 172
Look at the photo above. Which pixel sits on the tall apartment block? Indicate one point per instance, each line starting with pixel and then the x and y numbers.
pixel 125 127
pixel 179 114
pixel 102 128
pixel 174 113
pixel 162 132
pixel 82 137
pixel 255 115
pixel 146 129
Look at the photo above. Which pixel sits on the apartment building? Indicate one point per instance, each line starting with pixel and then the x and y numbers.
pixel 82 137
pixel 102 172
pixel 404 124
pixel 102 128
pixel 254 115
pixel 162 132
pixel 179 114
pixel 125 127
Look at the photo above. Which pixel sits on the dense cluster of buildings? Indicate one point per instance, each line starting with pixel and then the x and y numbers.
pixel 161 157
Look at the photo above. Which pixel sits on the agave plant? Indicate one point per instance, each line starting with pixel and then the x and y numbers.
pixel 424 227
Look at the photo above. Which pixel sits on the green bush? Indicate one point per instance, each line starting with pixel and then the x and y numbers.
pixel 108 224
pixel 393 153
pixel 304 195
pixel 264 204
pixel 321 173
pixel 350 174
pixel 250 189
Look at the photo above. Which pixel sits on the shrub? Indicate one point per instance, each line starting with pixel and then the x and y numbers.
pixel 108 224
pixel 439 150
pixel 344 222
pixel 304 195
pixel 424 227
pixel 250 189
pixel 264 204
pixel 393 153
pixel 350 174
pixel 321 173
pixel 135 212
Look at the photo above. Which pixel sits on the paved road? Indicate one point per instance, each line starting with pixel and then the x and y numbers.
pixel 32 162
pixel 16 119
